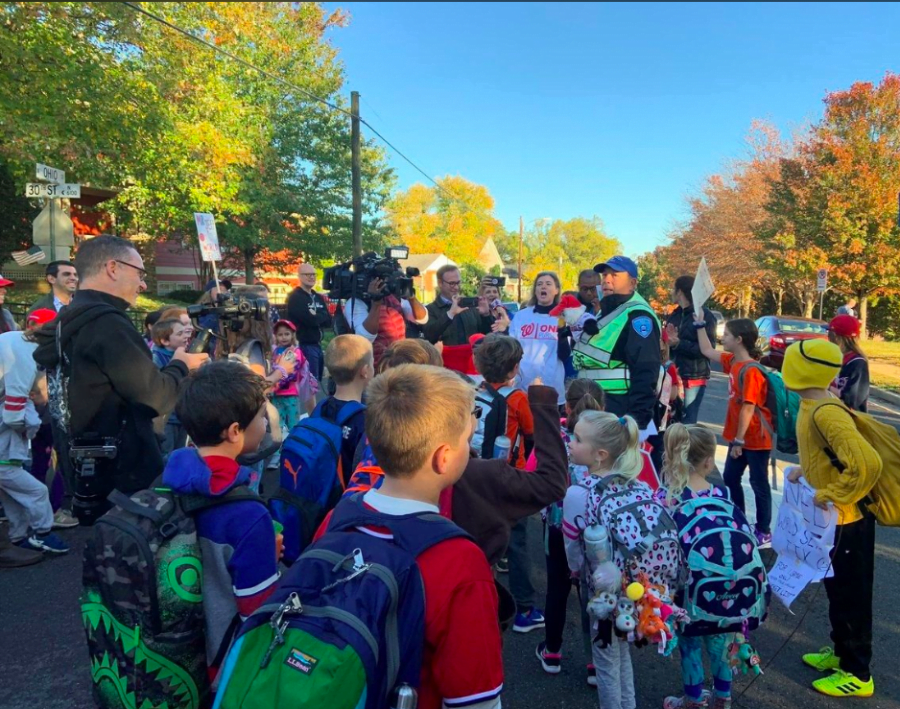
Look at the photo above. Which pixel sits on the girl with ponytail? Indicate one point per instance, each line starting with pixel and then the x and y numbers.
pixel 609 447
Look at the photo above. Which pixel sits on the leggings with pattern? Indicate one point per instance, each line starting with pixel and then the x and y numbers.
pixel 692 663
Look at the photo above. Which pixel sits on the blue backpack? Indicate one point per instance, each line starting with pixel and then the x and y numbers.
pixel 727 589
pixel 311 477
pixel 346 626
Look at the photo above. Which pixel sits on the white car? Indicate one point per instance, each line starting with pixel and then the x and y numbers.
pixel 720 324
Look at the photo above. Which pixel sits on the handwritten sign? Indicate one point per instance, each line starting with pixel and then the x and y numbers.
pixel 803 537
pixel 207 236
pixel 703 287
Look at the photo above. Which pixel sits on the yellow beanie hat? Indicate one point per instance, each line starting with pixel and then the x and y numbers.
pixel 811 364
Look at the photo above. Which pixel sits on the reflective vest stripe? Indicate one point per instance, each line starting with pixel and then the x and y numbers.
pixel 598 375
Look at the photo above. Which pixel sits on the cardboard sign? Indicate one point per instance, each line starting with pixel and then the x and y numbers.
pixel 207 236
pixel 703 287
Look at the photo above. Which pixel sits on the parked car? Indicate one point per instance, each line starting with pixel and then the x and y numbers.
pixel 777 333
pixel 720 324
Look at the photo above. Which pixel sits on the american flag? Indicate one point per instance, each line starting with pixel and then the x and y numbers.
pixel 34 255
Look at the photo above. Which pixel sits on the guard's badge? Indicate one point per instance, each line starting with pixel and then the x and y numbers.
pixel 643 326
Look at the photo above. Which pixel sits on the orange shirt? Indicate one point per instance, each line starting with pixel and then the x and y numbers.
pixel 756 387
pixel 519 423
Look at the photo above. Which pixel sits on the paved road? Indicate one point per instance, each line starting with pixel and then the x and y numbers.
pixel 43 657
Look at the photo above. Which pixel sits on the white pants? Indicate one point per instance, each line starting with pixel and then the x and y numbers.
pixel 615 678
pixel 26 502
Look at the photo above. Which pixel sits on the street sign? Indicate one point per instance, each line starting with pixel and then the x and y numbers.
pixel 54 229
pixel 207 236
pixel 50 174
pixel 57 191
pixel 822 276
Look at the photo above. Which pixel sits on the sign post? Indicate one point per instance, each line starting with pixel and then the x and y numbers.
pixel 208 239
pixel 821 286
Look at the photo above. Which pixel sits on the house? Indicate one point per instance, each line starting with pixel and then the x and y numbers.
pixel 428 265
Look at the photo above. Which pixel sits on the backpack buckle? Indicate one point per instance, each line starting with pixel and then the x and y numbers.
pixel 168 530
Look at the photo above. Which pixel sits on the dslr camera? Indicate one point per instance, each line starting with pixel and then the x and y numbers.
pixel 233 311
pixel 352 279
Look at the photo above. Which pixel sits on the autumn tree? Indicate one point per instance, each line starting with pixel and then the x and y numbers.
pixel 568 247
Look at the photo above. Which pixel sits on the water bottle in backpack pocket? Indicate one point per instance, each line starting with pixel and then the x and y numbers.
pixel 727 589
pixel 493 419
pixel 346 627
pixel 311 477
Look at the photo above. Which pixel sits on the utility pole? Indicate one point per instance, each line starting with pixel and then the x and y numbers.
pixel 355 174
pixel 521 243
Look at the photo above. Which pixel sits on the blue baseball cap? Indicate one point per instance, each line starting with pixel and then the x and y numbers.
pixel 619 264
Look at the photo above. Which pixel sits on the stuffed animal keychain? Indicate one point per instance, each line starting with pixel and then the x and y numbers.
pixel 742 657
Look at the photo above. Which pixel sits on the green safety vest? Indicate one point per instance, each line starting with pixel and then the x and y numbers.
pixel 593 355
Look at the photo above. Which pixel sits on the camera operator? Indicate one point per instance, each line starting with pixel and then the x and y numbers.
pixel 381 318
pixel 450 322
pixel 104 388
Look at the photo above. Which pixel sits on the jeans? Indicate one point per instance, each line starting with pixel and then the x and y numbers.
pixel 850 595
pixel 693 397
pixel 758 461
pixel 520 584
pixel 615 676
pixel 41 458
pixel 25 501
pixel 313 354
pixel 692 673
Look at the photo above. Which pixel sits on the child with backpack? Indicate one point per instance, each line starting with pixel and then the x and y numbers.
pixel 293 395
pixel 581 395
pixel 852 461
pixel 393 600
pixel 618 538
pixel 748 421
pixel 223 409
pixel 505 412
pixel 317 456
pixel 852 383
pixel 718 604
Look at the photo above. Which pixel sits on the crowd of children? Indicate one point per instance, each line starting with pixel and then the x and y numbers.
pixel 384 568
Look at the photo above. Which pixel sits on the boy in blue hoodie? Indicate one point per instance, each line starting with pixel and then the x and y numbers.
pixel 222 407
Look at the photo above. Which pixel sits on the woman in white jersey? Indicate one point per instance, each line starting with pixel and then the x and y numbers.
pixel 545 343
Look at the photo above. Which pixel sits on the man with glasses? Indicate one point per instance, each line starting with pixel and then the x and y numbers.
pixel 105 389
pixel 309 313
pixel 447 321
pixel 63 280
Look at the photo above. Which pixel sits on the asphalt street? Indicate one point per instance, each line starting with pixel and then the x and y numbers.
pixel 43 658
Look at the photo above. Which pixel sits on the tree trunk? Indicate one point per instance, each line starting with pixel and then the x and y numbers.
pixel 748 302
pixel 809 304
pixel 779 301
pixel 248 267
pixel 863 315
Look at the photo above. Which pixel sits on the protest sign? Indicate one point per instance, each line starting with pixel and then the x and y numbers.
pixel 703 287
pixel 207 236
pixel 803 537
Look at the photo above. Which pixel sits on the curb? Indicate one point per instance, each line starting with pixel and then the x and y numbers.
pixel 885 395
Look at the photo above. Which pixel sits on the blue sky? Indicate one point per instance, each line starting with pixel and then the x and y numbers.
pixel 618 110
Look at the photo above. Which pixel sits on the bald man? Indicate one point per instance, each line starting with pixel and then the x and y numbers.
pixel 309 313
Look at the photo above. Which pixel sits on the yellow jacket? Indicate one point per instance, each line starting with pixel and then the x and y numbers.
pixel 863 462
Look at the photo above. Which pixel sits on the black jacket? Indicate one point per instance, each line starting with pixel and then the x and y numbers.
pixel 688 359
pixel 114 390
pixel 440 328
pixel 310 314
pixel 643 357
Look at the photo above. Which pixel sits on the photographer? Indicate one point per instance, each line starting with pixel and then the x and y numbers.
pixel 450 322
pixel 102 381
pixel 381 318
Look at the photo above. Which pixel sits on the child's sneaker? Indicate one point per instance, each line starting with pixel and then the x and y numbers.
pixel 532 620
pixel 591 675
pixel 687 702
pixel 62 519
pixel 763 539
pixel 843 684
pixel 48 543
pixel 824 660
pixel 550 661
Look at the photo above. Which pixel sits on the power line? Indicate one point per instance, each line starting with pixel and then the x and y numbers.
pixel 279 79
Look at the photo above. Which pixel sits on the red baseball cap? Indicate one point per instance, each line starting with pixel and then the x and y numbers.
pixel 287 324
pixel 42 316
pixel 6 283
pixel 845 326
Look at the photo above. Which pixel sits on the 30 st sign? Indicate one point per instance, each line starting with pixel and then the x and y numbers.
pixel 40 190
